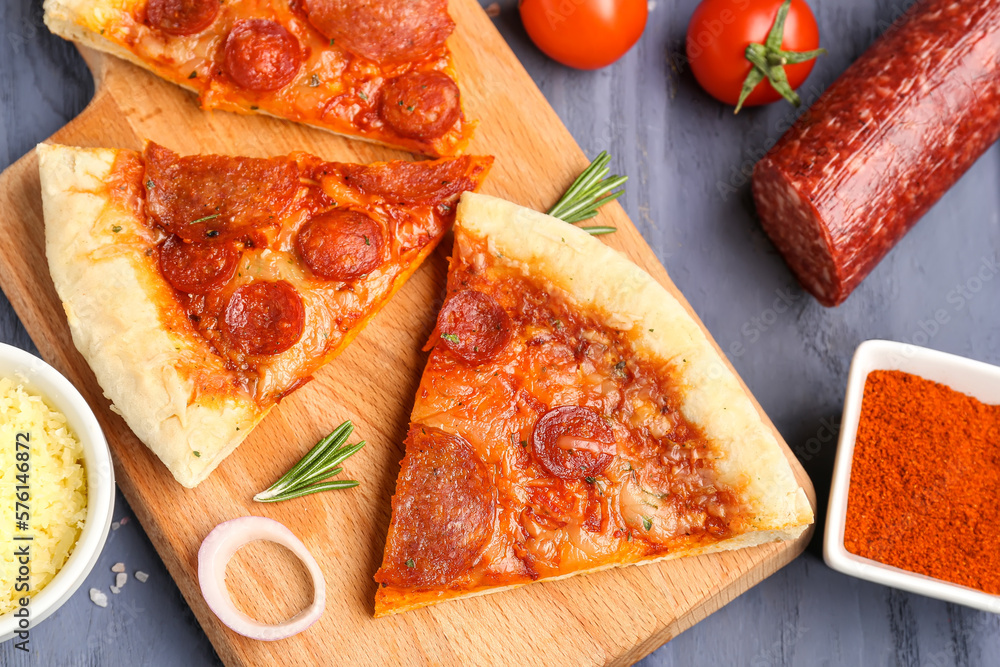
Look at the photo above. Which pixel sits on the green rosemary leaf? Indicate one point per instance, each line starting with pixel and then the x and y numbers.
pixel 298 493
pixel 599 231
pixel 591 190
pixel 207 217
pixel 320 463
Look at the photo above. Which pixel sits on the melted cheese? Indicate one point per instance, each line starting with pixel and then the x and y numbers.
pixel 657 493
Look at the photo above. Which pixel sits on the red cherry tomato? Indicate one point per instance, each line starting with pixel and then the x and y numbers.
pixel 586 34
pixel 721 30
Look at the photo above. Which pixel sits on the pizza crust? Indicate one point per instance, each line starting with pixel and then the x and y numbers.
pixel 602 280
pixel 110 291
pixel 402 601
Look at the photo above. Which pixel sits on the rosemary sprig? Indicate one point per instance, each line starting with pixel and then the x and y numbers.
pixel 591 190
pixel 322 461
pixel 207 217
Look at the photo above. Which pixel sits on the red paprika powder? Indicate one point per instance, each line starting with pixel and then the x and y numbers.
pixel 925 481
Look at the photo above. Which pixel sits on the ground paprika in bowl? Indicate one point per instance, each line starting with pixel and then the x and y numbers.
pixel 913 502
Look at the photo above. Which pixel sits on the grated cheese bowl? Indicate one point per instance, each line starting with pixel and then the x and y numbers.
pixel 39 378
pixel 974 378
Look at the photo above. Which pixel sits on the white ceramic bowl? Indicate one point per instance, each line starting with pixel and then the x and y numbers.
pixel 974 378
pixel 40 378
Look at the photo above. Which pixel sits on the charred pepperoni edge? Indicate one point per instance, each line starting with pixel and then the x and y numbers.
pixel 383 30
pixel 244 48
pixel 428 182
pixel 216 264
pixel 203 197
pixel 124 184
pixel 246 330
pixel 472 327
pixel 182 17
pixel 574 421
pixel 325 238
pixel 829 194
pixel 295 386
pixel 421 105
pixel 442 511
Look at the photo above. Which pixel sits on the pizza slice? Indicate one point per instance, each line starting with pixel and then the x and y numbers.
pixel 371 69
pixel 572 417
pixel 203 289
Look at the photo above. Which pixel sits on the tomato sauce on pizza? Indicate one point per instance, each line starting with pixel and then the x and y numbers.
pixel 276 263
pixel 540 445
pixel 380 70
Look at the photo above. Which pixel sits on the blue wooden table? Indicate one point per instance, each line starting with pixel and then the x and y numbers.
pixel 688 158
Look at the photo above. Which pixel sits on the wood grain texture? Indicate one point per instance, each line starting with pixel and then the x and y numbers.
pixel 607 618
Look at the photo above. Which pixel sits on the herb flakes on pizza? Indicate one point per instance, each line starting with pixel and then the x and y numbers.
pixel 371 69
pixel 203 289
pixel 572 417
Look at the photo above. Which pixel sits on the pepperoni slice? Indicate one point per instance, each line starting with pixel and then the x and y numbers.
pixel 198 268
pixel 427 182
pixel 473 327
pixel 264 317
pixel 420 105
pixel 181 17
pixel 442 513
pixel 383 30
pixel 261 55
pixel 340 245
pixel 204 197
pixel 573 442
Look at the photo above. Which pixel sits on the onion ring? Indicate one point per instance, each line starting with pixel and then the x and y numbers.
pixel 218 549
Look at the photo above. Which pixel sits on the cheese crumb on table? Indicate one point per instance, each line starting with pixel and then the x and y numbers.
pixel 98 597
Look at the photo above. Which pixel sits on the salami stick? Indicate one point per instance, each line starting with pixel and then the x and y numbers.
pixel 883 144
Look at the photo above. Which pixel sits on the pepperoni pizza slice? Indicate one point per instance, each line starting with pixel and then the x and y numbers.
pixel 572 417
pixel 371 69
pixel 203 289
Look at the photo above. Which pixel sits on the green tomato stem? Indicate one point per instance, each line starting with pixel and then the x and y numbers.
pixel 769 60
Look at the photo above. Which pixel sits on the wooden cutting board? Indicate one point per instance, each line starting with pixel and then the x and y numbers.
pixel 613 617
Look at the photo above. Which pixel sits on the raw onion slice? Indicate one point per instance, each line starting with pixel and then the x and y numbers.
pixel 218 549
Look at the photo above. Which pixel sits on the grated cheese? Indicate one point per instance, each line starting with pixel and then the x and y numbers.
pixel 58 490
